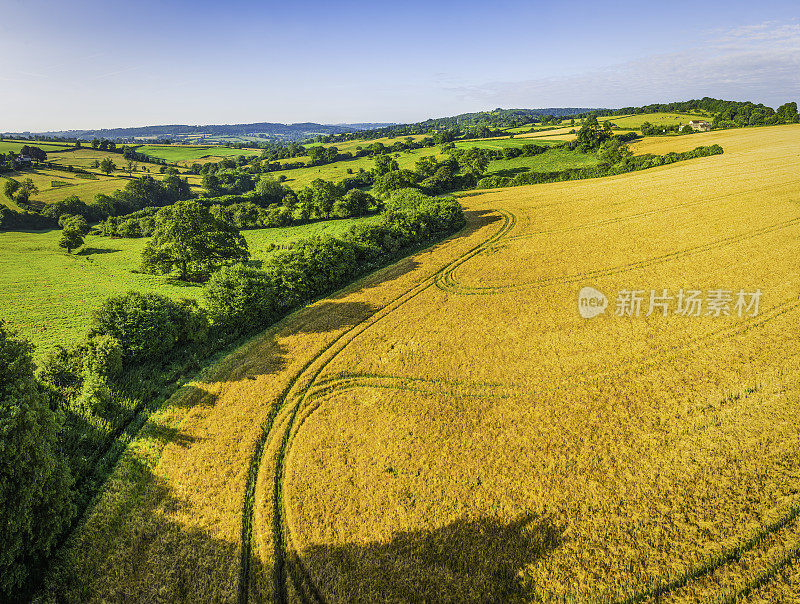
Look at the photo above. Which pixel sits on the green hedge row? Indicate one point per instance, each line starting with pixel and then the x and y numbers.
pixel 630 164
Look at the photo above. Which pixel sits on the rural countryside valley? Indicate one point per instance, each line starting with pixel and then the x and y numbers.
pixel 501 304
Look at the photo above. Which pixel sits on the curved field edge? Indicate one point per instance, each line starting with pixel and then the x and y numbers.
pixel 132 490
pixel 131 483
pixel 267 466
pixel 302 588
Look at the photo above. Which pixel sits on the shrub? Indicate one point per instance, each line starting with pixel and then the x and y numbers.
pixel 240 296
pixel 148 326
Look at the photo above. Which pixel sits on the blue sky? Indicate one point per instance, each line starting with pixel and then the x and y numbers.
pixel 88 64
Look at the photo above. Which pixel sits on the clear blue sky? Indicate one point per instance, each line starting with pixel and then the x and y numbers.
pixel 88 64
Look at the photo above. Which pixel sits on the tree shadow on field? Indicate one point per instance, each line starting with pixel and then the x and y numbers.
pixel 143 553
pixel 509 172
pixel 87 251
pixel 466 561
pixel 326 316
pixel 138 548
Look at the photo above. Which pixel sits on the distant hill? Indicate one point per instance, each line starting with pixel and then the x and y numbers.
pixel 277 132
pixel 260 131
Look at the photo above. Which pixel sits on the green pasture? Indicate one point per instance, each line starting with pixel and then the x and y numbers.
pixel 553 160
pixel 48 295
pixel 16 146
pixel 184 152
pixel 657 119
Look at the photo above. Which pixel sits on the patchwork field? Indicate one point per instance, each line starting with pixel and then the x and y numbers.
pixel 55 185
pixel 174 153
pixel 657 119
pixel 352 145
pixel 498 143
pixel 450 429
pixel 552 161
pixel 85 158
pixel 48 295
pixel 16 146
pixel 297 178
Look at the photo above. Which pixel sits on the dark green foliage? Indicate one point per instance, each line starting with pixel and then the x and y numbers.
pixel 148 326
pixel 251 216
pixel 107 165
pixel 354 203
pixel 227 182
pixel 612 152
pixel 75 229
pixel 241 297
pixel 14 221
pixel 394 180
pixel 269 191
pixel 189 238
pixel 317 199
pixel 19 192
pixel 35 497
pixel 591 135
pixel 385 164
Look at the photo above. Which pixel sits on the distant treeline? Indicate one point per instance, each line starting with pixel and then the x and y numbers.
pixel 91 399
pixel 298 131
pixel 477 123
pixel 726 114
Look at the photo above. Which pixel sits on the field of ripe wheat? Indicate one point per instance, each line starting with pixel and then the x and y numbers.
pixel 451 429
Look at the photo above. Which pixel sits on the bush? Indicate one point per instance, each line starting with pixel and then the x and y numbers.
pixel 148 326
pixel 394 180
pixel 103 356
pixel 240 297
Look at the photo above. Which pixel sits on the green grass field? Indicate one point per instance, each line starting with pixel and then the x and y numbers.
pixel 84 188
pixel 15 146
pixel 552 161
pixel 351 146
pixel 48 295
pixel 500 143
pixel 297 178
pixel 184 152
pixel 657 119
pixel 85 158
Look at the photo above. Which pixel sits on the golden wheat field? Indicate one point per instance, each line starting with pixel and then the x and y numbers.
pixel 451 429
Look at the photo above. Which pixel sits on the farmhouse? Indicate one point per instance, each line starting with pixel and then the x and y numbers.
pixel 699 125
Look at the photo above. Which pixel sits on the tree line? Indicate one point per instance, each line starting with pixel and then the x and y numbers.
pixel 271 204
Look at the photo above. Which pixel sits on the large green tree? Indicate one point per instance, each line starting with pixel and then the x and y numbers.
pixel 74 229
pixel 108 166
pixel 591 135
pixel 35 483
pixel 188 238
